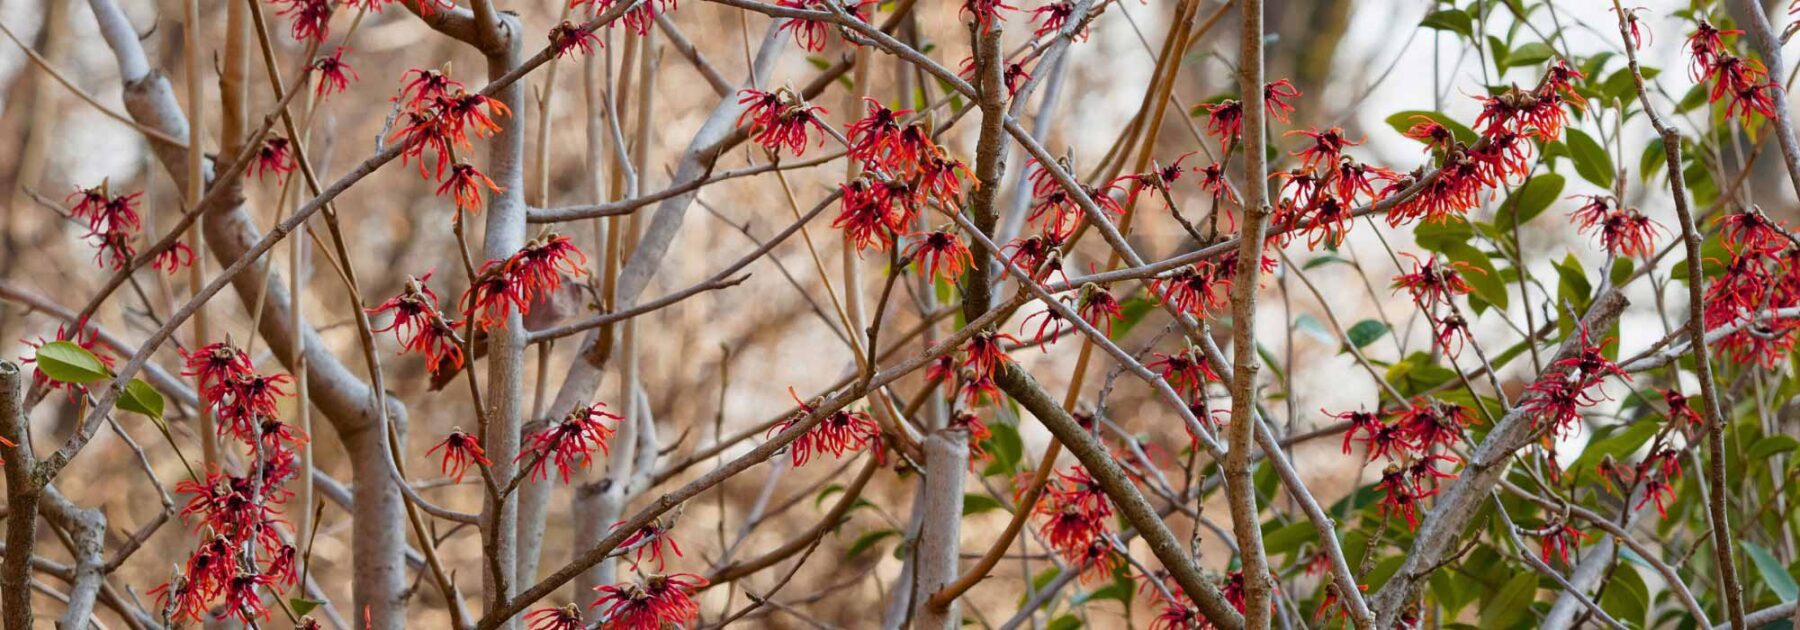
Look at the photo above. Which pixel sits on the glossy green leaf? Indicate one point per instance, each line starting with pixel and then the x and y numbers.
pixel 303 606
pixel 1481 276
pixel 65 362
pixel 1774 575
pixel 978 503
pixel 867 541
pixel 1529 200
pixel 1591 161
pixel 141 398
pixel 1366 332
pixel 1530 54
pixel 1006 447
pixel 1452 20
pixel 1512 604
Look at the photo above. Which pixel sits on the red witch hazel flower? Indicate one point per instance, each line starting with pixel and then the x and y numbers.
pixel 569 37
pixel 1276 97
pixel 214 364
pixel 1053 16
pixel 1225 119
pixel 810 34
pixel 1557 541
pixel 940 253
pixel 1431 282
pixel 1435 135
pixel 866 216
pixel 1074 510
pixel 984 353
pixel 178 256
pixel 311 19
pixel 780 119
pixel 1193 289
pixel 1187 370
pixel 495 294
pixel 1401 497
pixel 1326 146
pixel 649 539
pixel 464 186
pixel 986 13
pixel 334 74
pixel 460 450
pixel 658 601
pixel 418 324
pixel 843 431
pixel 1099 307
pixel 569 443
pixel 567 617
pixel 1361 422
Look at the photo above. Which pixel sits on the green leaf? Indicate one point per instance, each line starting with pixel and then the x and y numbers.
pixel 1322 260
pixel 1483 278
pixel 141 398
pixel 1440 236
pixel 1366 332
pixel 1530 54
pixel 1771 445
pixel 303 606
pixel 1530 200
pixel 1120 590
pixel 1628 598
pixel 1591 161
pixel 825 493
pixel 1288 538
pixel 1497 49
pixel 1065 622
pixel 65 362
pixel 1573 285
pixel 1510 606
pixel 978 503
pixel 1653 160
pixel 1453 20
pixel 1403 121
pixel 1773 574
pixel 867 541
pixel 1006 448
pixel 1131 311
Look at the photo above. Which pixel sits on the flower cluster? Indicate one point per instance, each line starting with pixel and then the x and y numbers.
pixel 904 171
pixel 514 283
pixel 658 601
pixel 843 431
pixel 438 115
pixel 243 552
pixel 112 222
pixel 334 74
pixel 1225 119
pixel 1761 275
pixel 810 34
pixel 1620 231
pixel 1075 512
pixel 1509 122
pixel 1056 212
pixel 1318 197
pixel 1744 80
pixel 1433 286
pixel 1556 399
pixel 638 19
pixel 780 119
pixel 421 327
pixel 566 444
pixel 1414 440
